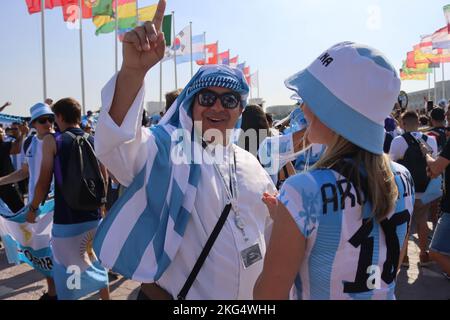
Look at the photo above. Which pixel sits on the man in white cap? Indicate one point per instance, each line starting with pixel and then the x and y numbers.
pixel 157 231
pixel 42 119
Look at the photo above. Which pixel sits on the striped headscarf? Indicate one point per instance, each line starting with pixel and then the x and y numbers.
pixel 143 231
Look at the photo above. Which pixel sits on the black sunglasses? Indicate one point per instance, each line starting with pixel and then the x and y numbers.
pixel 43 120
pixel 229 100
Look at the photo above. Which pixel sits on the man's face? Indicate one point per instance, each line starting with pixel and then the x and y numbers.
pixel 44 124
pixel 216 117
pixel 2 134
pixel 15 130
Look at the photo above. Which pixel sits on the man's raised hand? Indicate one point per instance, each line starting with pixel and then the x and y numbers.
pixel 144 46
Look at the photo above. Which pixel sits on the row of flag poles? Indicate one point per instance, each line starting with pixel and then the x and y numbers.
pixel 432 52
pixel 121 16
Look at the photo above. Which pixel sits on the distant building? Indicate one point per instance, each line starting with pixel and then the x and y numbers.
pixel 258 101
pixel 417 99
pixel 155 107
pixel 280 112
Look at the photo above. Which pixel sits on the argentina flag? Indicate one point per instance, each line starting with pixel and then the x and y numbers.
pixel 28 242
pixel 76 270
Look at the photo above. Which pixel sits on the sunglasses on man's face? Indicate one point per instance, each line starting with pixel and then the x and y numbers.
pixel 229 100
pixel 44 120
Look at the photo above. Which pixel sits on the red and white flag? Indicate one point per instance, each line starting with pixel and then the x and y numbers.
pixel 211 54
pixel 234 62
pixel 224 58
pixel 246 72
pixel 34 6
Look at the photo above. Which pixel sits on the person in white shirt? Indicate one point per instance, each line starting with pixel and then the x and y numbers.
pixel 398 152
pixel 156 231
pixel 42 119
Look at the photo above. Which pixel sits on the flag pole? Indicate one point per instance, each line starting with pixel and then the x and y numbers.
pixel 192 62
pixel 175 51
pixel 443 80
pixel 257 82
pixel 160 83
pixel 44 73
pixel 116 45
pixel 80 17
pixel 204 46
pixel 434 75
pixel 429 86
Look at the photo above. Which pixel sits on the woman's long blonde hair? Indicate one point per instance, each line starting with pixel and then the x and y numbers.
pixel 382 189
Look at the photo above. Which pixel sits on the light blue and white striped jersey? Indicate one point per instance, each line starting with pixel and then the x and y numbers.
pixel 348 255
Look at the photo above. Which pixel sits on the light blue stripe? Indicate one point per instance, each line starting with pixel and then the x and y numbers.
pixel 104 227
pixel 187 57
pixel 200 38
pixel 325 247
pixel 337 115
pixel 73 230
pixel 149 221
pixel 376 56
pixel 91 280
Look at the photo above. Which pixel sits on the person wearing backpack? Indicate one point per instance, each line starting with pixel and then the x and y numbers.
pixel 437 130
pixel 79 194
pixel 408 150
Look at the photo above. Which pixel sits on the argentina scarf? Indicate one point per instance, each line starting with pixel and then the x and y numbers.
pixel 141 234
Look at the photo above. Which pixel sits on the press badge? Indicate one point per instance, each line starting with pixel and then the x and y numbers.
pixel 251 255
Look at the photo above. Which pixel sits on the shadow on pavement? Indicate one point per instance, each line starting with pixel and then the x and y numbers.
pixel 429 284
pixel 19 292
pixel 22 280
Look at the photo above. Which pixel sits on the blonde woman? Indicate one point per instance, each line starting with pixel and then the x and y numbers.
pixel 340 229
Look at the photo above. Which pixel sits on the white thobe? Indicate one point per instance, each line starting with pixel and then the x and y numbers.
pixel 125 149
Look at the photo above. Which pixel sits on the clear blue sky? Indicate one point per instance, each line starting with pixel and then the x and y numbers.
pixel 276 37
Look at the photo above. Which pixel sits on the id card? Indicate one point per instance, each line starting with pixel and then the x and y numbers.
pixel 251 255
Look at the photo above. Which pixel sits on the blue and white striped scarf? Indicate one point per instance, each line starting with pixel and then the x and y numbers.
pixel 143 231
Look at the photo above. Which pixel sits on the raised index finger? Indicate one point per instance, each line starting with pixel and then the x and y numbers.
pixel 159 15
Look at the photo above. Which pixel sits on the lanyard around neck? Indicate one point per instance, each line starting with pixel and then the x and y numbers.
pixel 231 190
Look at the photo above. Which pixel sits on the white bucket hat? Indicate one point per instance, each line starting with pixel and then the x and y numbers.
pixel 351 88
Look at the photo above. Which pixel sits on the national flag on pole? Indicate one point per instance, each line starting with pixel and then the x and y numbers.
pixel 71 11
pixel 426 44
pixel 447 16
pixel 34 6
pixel 102 7
pixel 418 76
pixel 410 62
pixel 166 26
pixel 254 80
pixel 420 68
pixel 224 58
pixel 441 38
pixel 241 66
pixel 198 50
pixel 246 72
pixel 211 56
pixel 126 14
pixel 234 62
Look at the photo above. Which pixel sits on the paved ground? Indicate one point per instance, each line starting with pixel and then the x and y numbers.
pixel 23 283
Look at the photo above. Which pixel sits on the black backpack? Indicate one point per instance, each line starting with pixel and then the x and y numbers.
pixel 83 186
pixel 414 160
pixel 441 137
